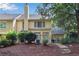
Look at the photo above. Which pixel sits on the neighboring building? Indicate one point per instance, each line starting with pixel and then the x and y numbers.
pixel 33 23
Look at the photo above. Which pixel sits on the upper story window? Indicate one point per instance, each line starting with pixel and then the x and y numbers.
pixel 39 24
pixel 2 25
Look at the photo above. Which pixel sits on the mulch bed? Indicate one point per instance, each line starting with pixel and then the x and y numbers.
pixel 33 50
pixel 29 50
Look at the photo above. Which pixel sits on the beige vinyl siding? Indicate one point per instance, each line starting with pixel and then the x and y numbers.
pixel 19 25
pixel 47 25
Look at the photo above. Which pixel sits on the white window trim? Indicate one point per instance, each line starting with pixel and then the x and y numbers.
pixel 37 26
pixel 3 25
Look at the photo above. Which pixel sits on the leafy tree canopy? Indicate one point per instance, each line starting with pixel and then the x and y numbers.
pixel 63 15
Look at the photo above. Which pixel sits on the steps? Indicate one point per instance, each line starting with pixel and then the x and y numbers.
pixel 63 48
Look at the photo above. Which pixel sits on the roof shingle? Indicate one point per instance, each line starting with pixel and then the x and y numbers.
pixel 7 16
pixel 13 16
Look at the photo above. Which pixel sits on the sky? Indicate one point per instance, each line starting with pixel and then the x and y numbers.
pixel 17 8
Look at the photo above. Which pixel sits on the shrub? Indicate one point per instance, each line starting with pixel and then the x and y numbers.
pixel 71 37
pixel 4 42
pixel 26 36
pixel 30 37
pixel 11 36
pixel 65 41
pixel 22 35
pixel 45 41
pixel 74 37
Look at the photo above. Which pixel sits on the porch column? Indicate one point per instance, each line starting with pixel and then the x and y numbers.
pixel 41 37
pixel 50 37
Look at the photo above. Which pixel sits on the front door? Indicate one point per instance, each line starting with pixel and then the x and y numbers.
pixel 38 35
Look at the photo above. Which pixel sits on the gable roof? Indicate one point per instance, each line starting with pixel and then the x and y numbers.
pixel 32 16
pixel 7 16
pixel 13 16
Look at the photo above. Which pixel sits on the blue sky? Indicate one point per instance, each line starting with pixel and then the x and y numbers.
pixel 17 8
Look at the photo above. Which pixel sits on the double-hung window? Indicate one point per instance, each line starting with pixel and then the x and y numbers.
pixel 2 25
pixel 39 24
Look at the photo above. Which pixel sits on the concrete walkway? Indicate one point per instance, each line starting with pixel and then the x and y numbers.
pixel 63 48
